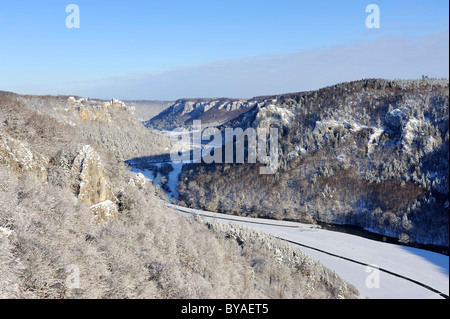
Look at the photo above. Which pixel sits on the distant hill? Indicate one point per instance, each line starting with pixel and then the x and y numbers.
pixel 4 93
pixel 147 109
pixel 372 153
pixel 211 112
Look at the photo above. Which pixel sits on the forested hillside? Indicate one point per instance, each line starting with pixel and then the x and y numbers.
pixel 76 223
pixel 371 153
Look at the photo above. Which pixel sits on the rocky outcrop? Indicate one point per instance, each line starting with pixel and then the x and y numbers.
pixel 92 184
pixel 94 110
pixel 138 181
pixel 271 114
pixel 187 106
pixel 105 211
pixel 19 156
pixel 210 111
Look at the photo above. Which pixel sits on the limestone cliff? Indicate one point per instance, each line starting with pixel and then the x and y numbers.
pixel 20 158
pixel 95 110
pixel 211 112
pixel 93 187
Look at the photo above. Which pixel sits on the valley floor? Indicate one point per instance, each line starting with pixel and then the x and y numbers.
pixel 420 267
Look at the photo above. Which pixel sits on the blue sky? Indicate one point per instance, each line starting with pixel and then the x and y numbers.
pixel 172 49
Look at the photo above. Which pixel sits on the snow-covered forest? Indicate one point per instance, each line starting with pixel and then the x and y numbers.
pixel 75 222
pixel 369 153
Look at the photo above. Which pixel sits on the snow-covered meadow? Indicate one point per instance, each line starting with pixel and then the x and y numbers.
pixel 426 267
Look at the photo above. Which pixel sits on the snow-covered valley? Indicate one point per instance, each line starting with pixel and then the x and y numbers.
pixel 425 267
pixel 337 166
pixel 398 272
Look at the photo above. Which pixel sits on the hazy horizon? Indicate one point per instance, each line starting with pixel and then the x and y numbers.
pixel 146 50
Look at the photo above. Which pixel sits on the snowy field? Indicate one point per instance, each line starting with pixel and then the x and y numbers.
pixel 425 267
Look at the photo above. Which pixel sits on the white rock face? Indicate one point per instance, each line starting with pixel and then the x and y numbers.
pixel 115 102
pixel 374 139
pixel 431 144
pixel 18 155
pixel 138 181
pixel 272 114
pixel 72 99
pixel 93 187
pixel 186 107
pixel 105 211
pixel 232 105
pixel 208 106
